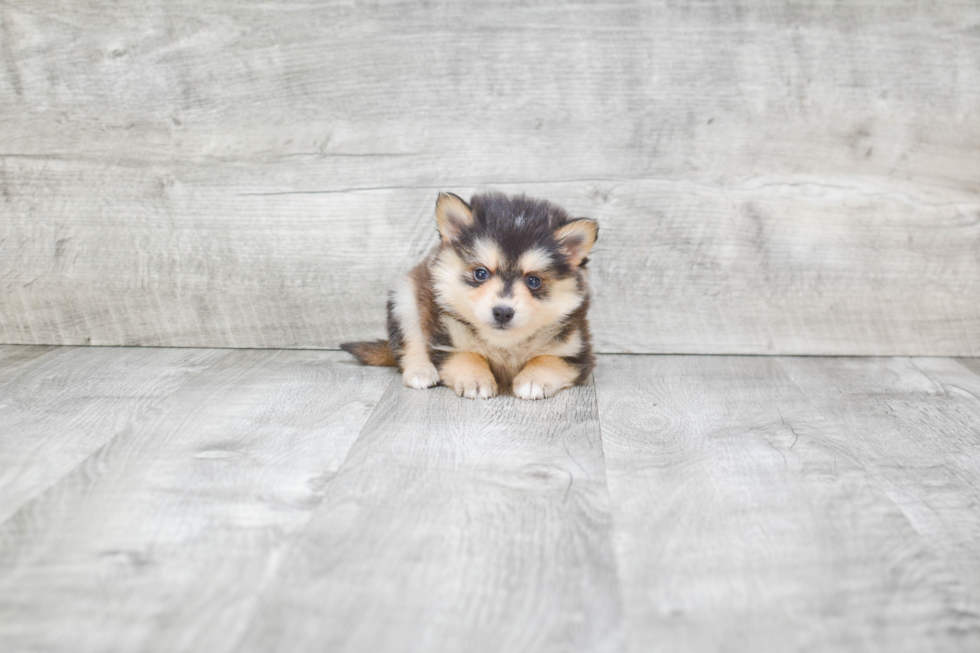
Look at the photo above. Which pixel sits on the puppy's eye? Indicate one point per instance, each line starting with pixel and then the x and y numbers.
pixel 533 282
pixel 481 274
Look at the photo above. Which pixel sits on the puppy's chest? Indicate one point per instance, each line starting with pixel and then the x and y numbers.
pixel 506 362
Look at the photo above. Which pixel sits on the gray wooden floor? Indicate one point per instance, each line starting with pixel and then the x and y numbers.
pixel 239 500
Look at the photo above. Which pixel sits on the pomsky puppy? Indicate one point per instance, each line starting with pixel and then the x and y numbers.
pixel 499 303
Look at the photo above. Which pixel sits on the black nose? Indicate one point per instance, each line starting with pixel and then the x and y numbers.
pixel 503 314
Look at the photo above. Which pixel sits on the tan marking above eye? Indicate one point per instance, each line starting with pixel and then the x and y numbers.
pixel 490 255
pixel 534 260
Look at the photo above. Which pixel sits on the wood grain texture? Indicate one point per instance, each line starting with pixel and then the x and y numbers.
pixel 790 266
pixel 793 504
pixel 456 525
pixel 532 92
pixel 163 539
pixel 971 364
pixel 259 500
pixel 59 405
pixel 915 425
pixel 772 178
pixel 14 358
pixel 775 267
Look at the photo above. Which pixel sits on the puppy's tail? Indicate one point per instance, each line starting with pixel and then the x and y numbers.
pixel 371 352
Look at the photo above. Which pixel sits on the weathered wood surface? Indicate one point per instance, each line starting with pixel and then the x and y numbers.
pixel 456 525
pixel 792 504
pixel 772 178
pixel 59 405
pixel 290 500
pixel 164 538
pixel 915 426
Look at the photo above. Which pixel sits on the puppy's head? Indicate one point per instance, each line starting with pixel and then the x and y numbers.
pixel 510 266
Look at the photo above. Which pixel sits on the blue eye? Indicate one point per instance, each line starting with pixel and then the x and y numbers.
pixel 533 282
pixel 481 274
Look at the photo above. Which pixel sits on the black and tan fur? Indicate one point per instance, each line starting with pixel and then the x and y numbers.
pixel 499 304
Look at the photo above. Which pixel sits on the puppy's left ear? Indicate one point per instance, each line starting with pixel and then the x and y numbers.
pixel 452 216
pixel 577 238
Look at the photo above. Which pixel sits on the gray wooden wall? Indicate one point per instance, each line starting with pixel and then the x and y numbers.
pixel 770 177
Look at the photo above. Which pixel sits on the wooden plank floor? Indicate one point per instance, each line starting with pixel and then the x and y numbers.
pixel 271 500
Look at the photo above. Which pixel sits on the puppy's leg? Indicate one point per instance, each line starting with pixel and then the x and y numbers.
pixel 469 375
pixel 417 370
pixel 544 376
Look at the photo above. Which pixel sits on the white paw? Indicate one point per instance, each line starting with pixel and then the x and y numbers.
pixel 532 386
pixel 543 377
pixel 476 387
pixel 532 390
pixel 421 377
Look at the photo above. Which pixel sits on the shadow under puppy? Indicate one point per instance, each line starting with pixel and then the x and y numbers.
pixel 499 303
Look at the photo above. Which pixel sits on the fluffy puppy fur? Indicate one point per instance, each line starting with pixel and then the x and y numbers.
pixel 500 303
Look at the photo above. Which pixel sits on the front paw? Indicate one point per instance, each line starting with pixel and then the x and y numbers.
pixel 420 377
pixel 542 378
pixel 476 385
pixel 533 389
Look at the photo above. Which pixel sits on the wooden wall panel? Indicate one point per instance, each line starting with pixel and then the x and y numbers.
pixel 772 178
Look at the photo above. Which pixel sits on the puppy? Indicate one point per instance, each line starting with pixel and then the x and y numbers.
pixel 500 303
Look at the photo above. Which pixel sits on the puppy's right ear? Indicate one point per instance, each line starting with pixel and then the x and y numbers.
pixel 453 215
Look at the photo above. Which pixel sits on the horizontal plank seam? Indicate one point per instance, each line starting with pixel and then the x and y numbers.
pixel 357 189
pixel 745 184
pixel 599 353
